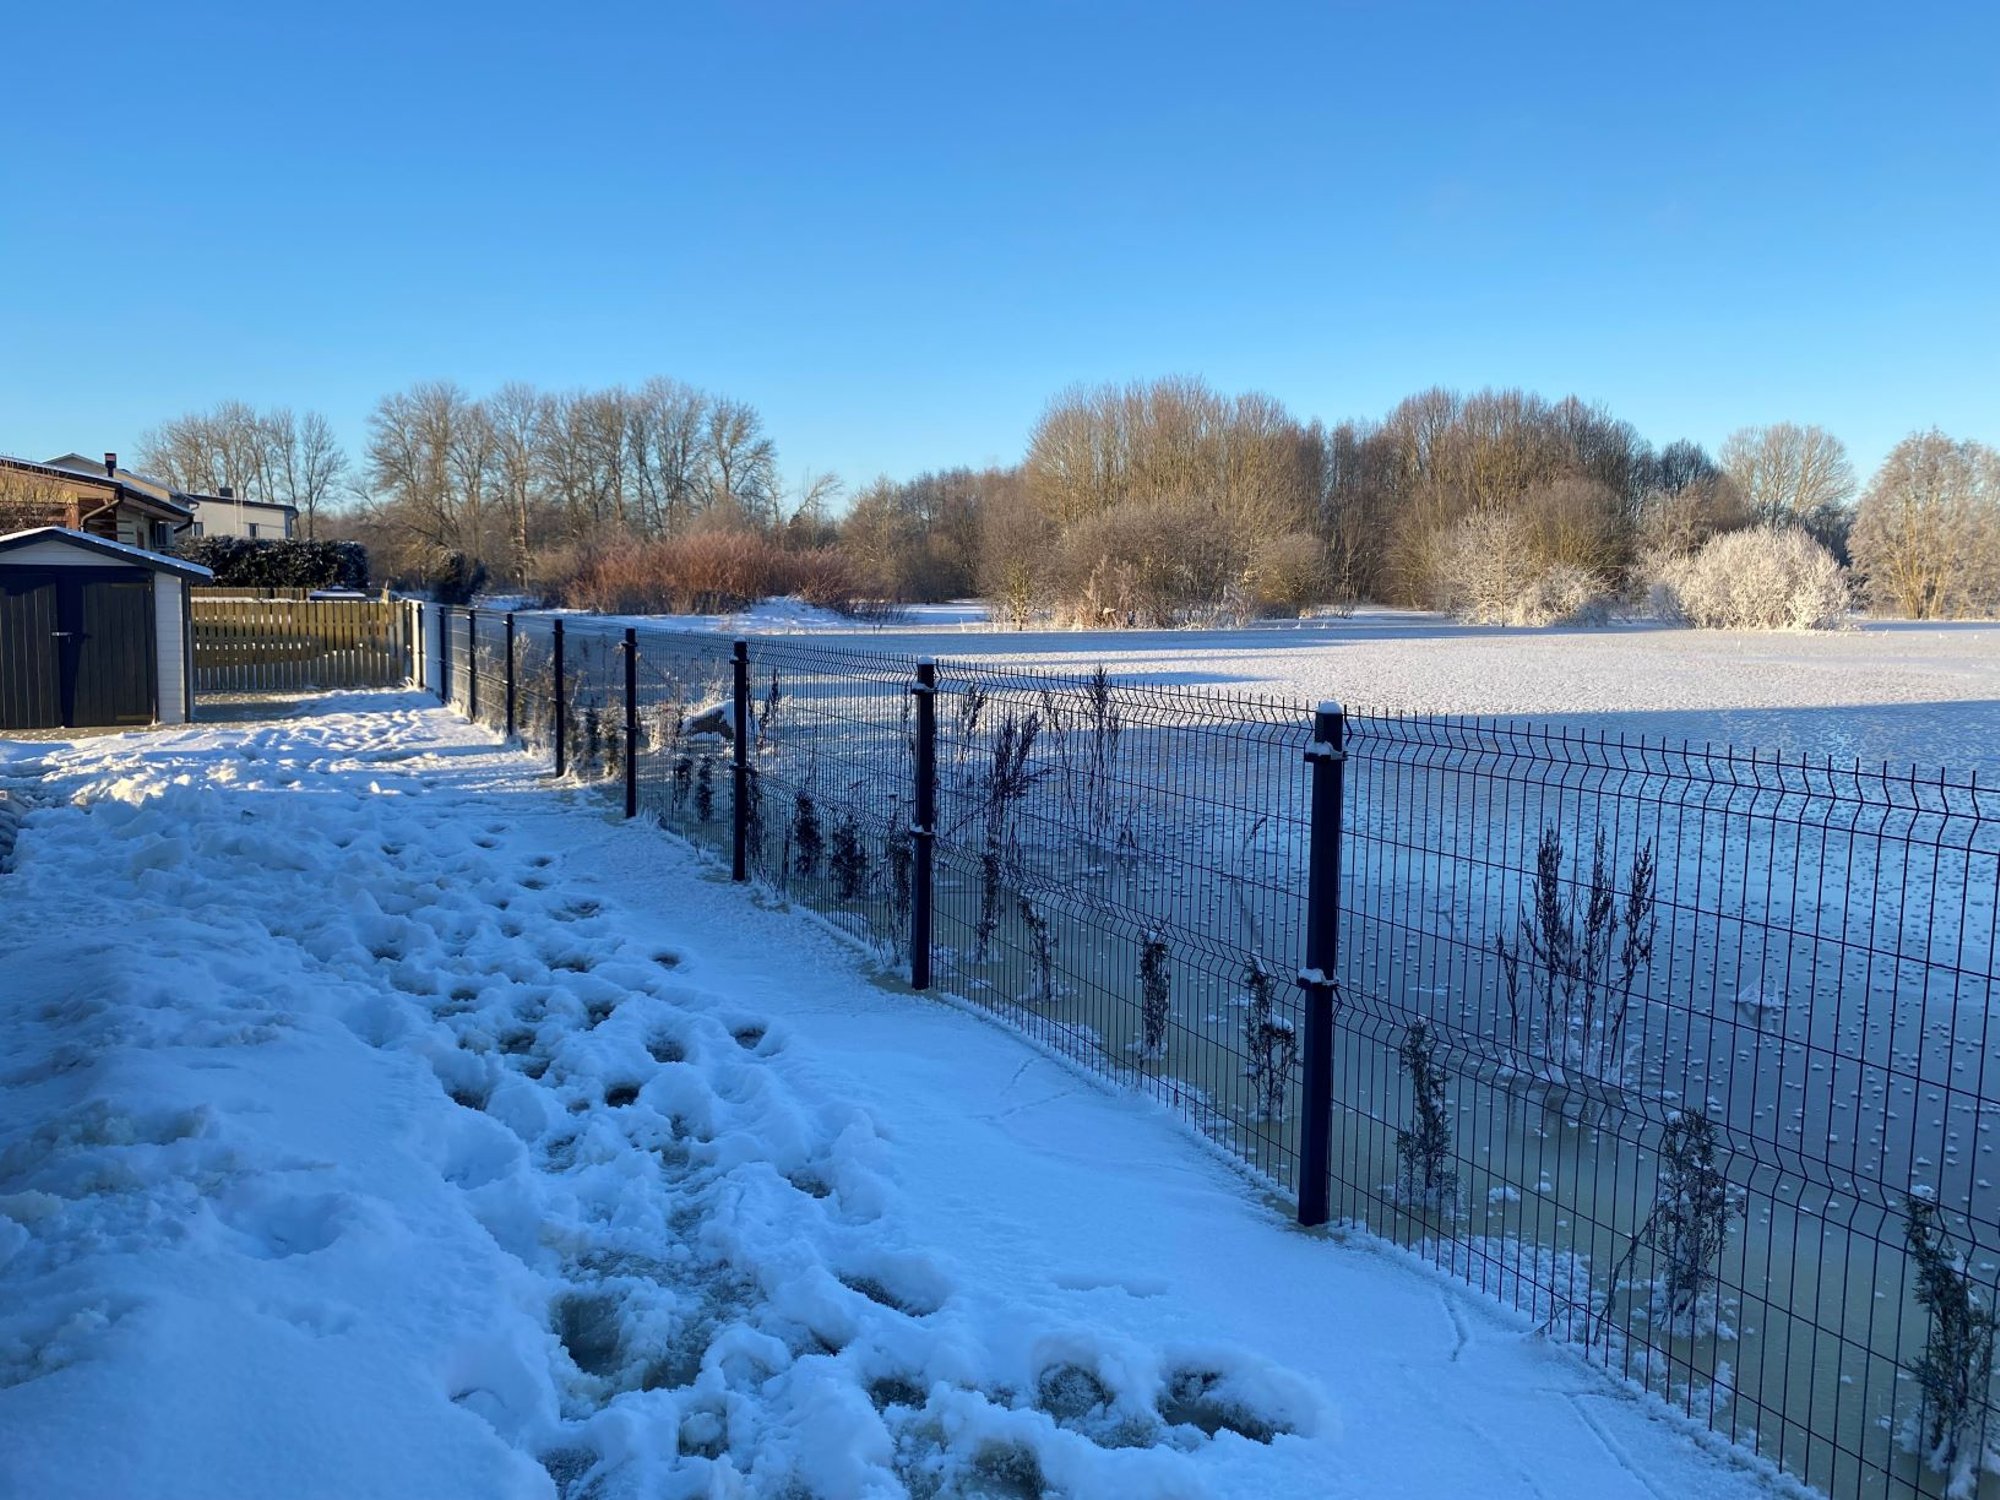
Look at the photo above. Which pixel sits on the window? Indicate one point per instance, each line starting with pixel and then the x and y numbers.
pixel 197 530
pixel 253 531
pixel 163 536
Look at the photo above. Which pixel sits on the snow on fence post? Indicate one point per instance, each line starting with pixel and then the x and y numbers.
pixel 923 833
pixel 510 674
pixel 1327 756
pixel 561 711
pixel 420 651
pixel 472 665
pixel 631 722
pixel 739 813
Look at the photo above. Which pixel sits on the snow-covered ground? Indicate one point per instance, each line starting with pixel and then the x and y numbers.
pixel 381 1121
pixel 1891 691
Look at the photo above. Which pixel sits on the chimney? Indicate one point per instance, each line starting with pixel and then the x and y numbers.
pixel 227 492
pixel 110 466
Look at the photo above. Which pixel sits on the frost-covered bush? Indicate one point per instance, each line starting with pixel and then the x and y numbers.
pixel 1768 578
pixel 1493 569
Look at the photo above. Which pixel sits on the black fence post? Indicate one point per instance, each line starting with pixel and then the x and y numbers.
pixel 739 817
pixel 510 674
pixel 1327 755
pixel 444 654
pixel 561 708
pixel 923 832
pixel 631 722
pixel 472 665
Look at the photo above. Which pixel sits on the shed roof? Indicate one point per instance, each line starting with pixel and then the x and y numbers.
pixel 136 557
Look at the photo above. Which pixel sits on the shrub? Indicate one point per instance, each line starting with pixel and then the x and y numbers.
pixel 709 572
pixel 1768 578
pixel 1494 568
pixel 238 562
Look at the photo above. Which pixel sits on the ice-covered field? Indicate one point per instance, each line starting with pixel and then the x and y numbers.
pixel 382 1121
pixel 1892 691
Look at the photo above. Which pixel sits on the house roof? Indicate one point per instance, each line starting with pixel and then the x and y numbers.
pixel 147 494
pixel 117 551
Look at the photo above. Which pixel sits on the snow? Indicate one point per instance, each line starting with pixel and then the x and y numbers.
pixel 1895 691
pixel 381 1120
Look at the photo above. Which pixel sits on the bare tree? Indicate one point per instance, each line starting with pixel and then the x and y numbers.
pixel 307 463
pixel 1792 475
pixel 742 462
pixel 1926 536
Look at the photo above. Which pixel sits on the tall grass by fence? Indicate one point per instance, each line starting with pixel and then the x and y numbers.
pixel 1683 1052
pixel 277 645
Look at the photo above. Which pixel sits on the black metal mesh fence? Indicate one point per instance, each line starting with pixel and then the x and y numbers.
pixel 1668 1048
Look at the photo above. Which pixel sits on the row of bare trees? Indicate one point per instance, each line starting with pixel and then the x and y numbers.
pixel 1151 503
pixel 280 456
pixel 531 482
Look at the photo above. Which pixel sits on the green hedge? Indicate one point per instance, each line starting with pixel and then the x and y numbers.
pixel 238 562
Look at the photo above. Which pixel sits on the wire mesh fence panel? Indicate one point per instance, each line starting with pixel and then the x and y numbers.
pixel 534 684
pixel 832 778
pixel 486 645
pixel 459 683
pixel 1697 1025
pixel 686 735
pixel 1684 1053
pixel 1121 872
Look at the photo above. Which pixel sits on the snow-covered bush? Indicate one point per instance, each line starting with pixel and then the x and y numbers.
pixel 1768 578
pixel 1492 569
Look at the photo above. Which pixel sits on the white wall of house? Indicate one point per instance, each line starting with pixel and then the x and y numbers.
pixel 243 518
pixel 168 622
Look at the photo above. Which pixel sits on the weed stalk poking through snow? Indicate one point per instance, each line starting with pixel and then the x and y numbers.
pixel 1271 1041
pixel 1043 943
pixel 806 840
pixel 1006 784
pixel 1687 1229
pixel 1576 956
pixel 1155 995
pixel 849 858
pixel 1955 1371
pixel 1425 1178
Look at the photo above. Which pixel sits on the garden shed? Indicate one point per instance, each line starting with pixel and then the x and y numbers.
pixel 92 632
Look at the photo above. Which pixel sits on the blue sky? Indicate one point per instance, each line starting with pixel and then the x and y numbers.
pixel 899 229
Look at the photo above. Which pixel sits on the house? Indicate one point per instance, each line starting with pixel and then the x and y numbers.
pixel 223 514
pixel 98 499
pixel 93 631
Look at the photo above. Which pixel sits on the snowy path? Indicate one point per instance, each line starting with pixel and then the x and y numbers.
pixel 377 1121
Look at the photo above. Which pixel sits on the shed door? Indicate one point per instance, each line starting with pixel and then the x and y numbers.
pixel 76 648
pixel 116 661
pixel 30 655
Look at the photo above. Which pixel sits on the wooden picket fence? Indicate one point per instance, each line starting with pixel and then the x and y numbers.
pixel 298 646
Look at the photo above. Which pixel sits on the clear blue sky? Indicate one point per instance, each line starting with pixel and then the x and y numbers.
pixel 899 229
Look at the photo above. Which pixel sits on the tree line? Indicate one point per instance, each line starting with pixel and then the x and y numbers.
pixel 1153 503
